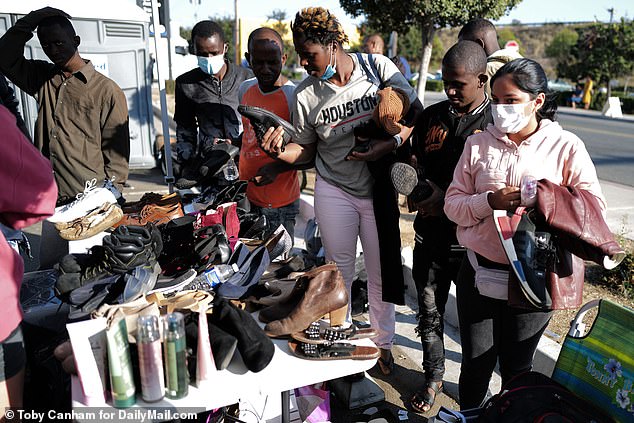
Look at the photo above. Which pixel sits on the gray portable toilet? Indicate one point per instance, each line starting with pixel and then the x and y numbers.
pixel 114 36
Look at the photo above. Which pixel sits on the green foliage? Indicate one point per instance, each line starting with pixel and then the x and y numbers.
pixel 598 100
pixel 392 15
pixel 560 48
pixel 506 34
pixel 425 15
pixel 621 278
pixel 434 85
pixel 437 53
pixel 605 51
pixel 282 28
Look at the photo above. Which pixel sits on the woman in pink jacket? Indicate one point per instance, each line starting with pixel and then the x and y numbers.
pixel 27 195
pixel 523 140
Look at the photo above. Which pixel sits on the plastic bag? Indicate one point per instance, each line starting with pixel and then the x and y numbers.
pixel 313 403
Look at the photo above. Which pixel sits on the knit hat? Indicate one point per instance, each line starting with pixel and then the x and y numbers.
pixel 393 105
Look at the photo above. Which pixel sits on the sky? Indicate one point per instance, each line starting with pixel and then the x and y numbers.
pixel 188 12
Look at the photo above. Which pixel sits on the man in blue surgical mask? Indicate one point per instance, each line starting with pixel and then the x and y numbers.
pixel 207 98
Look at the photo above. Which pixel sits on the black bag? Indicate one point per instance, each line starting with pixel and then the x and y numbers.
pixel 534 397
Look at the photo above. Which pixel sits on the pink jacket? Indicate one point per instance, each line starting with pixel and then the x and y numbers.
pixel 491 161
pixel 27 195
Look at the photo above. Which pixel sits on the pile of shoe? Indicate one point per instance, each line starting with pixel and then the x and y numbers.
pixel 94 210
pixel 122 269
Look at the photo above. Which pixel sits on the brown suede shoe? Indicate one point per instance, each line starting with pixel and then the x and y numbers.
pixel 151 213
pixel 162 200
pixel 326 294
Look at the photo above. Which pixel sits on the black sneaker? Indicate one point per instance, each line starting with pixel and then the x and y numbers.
pixel 167 285
pixel 261 120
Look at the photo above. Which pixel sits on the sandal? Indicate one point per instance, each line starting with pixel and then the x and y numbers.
pixel 423 400
pixel 315 335
pixel 386 365
pixel 332 351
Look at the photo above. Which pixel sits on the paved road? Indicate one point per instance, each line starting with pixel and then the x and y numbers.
pixel 609 142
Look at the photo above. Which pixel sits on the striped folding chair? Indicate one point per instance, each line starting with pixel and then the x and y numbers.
pixel 598 366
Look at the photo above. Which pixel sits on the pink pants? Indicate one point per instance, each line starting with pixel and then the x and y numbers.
pixel 342 218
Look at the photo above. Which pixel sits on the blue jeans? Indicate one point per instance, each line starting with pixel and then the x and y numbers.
pixel 275 217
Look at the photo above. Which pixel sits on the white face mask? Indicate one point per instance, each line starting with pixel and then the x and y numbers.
pixel 211 65
pixel 510 118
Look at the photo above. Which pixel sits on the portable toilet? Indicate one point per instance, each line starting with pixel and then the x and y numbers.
pixel 114 36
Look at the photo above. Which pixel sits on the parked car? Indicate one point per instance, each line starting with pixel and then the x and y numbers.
pixel 559 85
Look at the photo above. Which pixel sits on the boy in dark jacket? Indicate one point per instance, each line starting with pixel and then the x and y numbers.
pixel 441 132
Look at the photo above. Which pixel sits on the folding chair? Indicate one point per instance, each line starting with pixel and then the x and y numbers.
pixel 598 366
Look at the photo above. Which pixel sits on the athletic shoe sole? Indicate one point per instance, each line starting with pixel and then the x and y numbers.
pixel 167 286
pixel 404 178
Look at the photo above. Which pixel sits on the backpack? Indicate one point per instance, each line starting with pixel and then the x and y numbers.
pixel 372 73
pixel 534 397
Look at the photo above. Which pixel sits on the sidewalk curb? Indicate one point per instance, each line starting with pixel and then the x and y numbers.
pixel 597 115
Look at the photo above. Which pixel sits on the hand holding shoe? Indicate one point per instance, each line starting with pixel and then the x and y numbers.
pixel 376 150
pixel 433 205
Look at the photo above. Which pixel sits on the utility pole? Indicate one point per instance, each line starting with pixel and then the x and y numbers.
pixel 611 11
pixel 168 31
pixel 236 33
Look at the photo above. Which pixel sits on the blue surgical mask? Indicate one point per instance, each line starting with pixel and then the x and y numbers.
pixel 330 69
pixel 211 65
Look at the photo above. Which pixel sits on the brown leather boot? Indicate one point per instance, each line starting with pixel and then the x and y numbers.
pixel 325 294
pixel 151 213
pixel 163 200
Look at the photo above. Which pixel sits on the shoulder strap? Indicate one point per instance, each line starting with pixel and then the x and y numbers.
pixel 373 74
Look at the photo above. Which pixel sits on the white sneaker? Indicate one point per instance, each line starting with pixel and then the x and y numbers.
pixel 92 198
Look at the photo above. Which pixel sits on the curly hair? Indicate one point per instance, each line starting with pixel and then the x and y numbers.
pixel 318 25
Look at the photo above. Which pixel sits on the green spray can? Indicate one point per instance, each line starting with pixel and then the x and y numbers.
pixel 120 365
pixel 176 375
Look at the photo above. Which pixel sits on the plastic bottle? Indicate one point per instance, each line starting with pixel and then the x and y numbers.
pixel 230 170
pixel 177 377
pixel 120 366
pixel 528 191
pixel 150 358
pixel 218 274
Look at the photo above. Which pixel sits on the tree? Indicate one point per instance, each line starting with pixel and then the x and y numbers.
pixel 560 48
pixel 505 35
pixel 279 16
pixel 427 16
pixel 226 23
pixel 603 51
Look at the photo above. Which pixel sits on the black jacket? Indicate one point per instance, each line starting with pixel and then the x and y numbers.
pixel 439 139
pixel 208 105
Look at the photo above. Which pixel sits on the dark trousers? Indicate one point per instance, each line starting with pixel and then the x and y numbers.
pixel 490 330
pixel 387 214
pixel 434 267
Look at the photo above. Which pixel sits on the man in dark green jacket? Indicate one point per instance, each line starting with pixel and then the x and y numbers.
pixel 82 125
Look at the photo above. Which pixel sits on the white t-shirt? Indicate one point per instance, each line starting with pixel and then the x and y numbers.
pixel 327 114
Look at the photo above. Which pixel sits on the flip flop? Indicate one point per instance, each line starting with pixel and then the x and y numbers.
pixel 332 351
pixel 424 398
pixel 315 335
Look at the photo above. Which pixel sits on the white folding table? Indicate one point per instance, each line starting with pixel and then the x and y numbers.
pixel 284 372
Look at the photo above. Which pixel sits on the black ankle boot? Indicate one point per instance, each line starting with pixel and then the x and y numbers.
pixel 254 346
